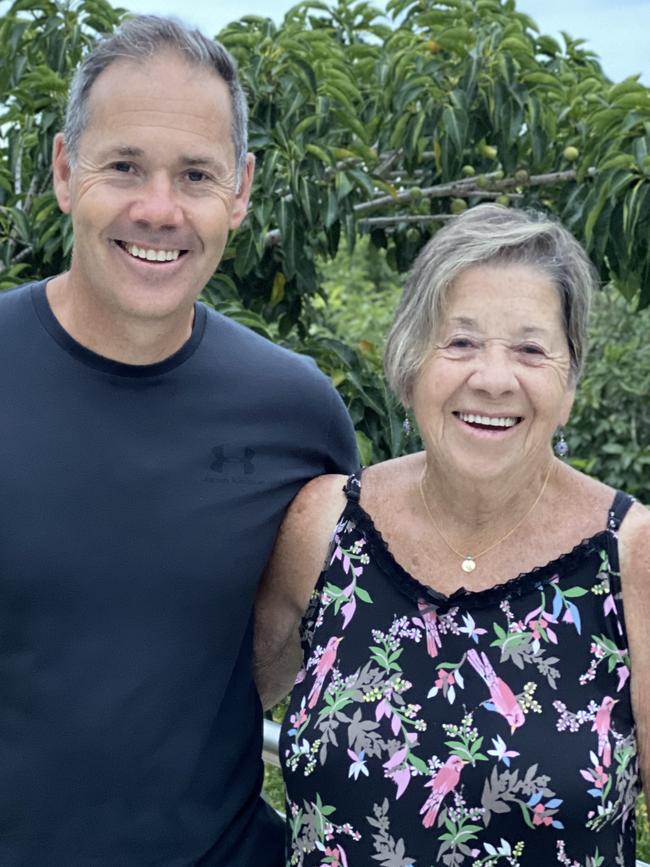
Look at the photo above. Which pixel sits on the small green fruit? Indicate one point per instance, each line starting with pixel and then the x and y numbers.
pixel 570 154
pixel 468 171
pixel 415 194
pixel 482 183
pixel 488 151
pixel 412 234
pixel 458 206
pixel 522 176
pixel 503 200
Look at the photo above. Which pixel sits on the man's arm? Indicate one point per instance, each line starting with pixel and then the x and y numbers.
pixel 288 582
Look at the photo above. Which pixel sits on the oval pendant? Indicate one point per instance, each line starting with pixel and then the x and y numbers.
pixel 468 564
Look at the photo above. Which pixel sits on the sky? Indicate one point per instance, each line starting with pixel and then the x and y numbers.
pixel 616 30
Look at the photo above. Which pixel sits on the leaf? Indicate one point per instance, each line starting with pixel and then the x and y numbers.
pixel 418 764
pixel 574 592
pixel 363 595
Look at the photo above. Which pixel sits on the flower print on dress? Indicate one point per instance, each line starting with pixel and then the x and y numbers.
pixel 502 698
pixel 323 668
pixel 428 620
pixel 448 677
pixel 345 599
pixel 461 825
pixel 312 829
pixel 598 777
pixel 604 588
pixel 501 853
pixel 501 751
pixel 602 725
pixel 374 727
pixel 518 645
pixel 445 781
pixel 388 851
pixel 470 628
pixel 544 813
pixel 358 765
pixel 603 649
pixel 595 860
pixel 616 795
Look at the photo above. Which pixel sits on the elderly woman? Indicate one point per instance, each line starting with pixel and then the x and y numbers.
pixel 465 695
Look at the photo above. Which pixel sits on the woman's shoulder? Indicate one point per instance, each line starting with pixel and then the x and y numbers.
pixel 319 503
pixel 634 546
pixel 395 477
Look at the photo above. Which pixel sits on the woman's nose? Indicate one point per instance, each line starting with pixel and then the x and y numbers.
pixel 494 372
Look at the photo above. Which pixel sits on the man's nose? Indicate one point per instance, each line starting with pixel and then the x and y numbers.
pixel 494 373
pixel 157 203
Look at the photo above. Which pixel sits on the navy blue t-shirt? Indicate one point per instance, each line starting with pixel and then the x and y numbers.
pixel 138 507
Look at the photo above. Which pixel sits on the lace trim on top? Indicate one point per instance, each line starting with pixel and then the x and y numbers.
pixel 514 588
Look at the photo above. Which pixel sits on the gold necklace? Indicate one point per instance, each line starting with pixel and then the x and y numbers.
pixel 469 561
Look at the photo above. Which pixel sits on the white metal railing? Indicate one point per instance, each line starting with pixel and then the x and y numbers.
pixel 271 757
pixel 270 743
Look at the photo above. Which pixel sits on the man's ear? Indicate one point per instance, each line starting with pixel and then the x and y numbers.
pixel 61 173
pixel 240 204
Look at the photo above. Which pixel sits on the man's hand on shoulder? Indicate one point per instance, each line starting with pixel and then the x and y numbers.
pixel 288 583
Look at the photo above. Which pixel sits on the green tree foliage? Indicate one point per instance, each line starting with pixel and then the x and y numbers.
pixel 42 42
pixel 610 424
pixel 361 123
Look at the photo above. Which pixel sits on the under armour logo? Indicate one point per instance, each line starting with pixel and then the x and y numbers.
pixel 242 456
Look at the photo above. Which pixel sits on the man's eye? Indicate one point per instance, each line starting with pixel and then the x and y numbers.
pixel 121 166
pixel 196 176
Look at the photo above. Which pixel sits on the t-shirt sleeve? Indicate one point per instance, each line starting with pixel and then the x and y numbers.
pixel 342 454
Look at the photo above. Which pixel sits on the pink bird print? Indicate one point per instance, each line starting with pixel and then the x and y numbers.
pixel 429 617
pixel 503 698
pixel 601 726
pixel 445 781
pixel 323 668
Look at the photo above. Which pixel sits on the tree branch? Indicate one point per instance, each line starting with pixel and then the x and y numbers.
pixel 468 187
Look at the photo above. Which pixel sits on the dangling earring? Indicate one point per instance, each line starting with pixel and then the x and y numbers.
pixel 561 447
pixel 406 427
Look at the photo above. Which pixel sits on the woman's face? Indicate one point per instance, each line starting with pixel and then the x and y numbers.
pixel 496 384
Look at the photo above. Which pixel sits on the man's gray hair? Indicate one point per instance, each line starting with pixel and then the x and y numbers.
pixel 137 40
pixel 487 234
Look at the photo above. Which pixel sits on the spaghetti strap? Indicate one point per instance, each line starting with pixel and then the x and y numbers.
pixel 618 510
pixel 352 487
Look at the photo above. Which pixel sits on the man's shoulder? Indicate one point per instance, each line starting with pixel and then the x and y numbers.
pixel 15 301
pixel 247 348
pixel 14 294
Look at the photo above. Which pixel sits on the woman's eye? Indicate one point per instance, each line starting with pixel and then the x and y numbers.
pixel 121 166
pixel 196 176
pixel 531 349
pixel 461 343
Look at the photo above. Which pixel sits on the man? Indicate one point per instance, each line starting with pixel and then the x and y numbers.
pixel 149 450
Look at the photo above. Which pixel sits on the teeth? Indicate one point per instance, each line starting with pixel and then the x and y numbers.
pixel 472 418
pixel 152 255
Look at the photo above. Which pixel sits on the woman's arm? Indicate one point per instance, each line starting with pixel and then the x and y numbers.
pixel 634 546
pixel 288 582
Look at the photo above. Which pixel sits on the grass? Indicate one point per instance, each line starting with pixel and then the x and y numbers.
pixel 643 832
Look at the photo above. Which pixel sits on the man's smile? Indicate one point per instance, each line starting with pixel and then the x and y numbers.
pixel 150 254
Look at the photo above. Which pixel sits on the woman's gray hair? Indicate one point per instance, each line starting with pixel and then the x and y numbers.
pixel 487 234
pixel 138 39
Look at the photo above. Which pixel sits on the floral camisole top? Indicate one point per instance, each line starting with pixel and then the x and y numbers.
pixel 483 729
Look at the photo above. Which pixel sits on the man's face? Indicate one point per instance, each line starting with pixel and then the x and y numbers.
pixel 153 191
